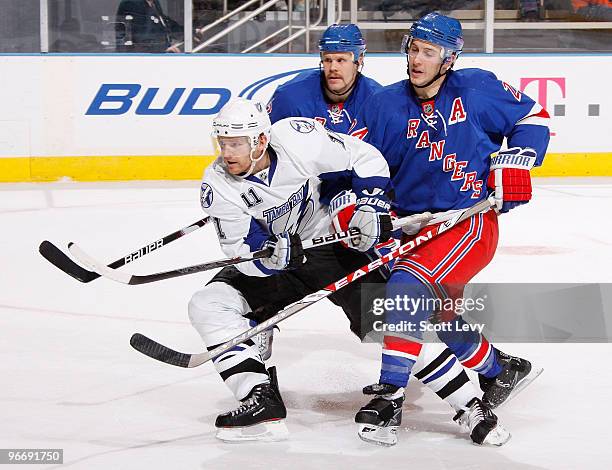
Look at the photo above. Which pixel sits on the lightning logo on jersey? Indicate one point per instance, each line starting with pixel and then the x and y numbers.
pixel 292 214
pixel 206 196
pixel 302 155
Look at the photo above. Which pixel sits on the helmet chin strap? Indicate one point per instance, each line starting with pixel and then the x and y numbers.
pixel 436 76
pixel 253 162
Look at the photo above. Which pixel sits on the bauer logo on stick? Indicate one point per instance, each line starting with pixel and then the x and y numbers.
pixel 206 196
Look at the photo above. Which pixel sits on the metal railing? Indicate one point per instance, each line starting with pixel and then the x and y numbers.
pixel 308 27
pixel 488 20
pixel 488 23
pixel 212 40
pixel 289 27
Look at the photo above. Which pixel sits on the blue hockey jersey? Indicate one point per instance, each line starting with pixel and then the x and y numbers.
pixel 439 150
pixel 304 96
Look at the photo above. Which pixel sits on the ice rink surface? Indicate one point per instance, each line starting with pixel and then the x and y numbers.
pixel 71 380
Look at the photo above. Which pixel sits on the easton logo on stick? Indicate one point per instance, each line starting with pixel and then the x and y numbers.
pixel 406 247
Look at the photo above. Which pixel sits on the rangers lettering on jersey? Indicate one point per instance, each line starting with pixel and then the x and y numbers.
pixel 439 160
pixel 413 125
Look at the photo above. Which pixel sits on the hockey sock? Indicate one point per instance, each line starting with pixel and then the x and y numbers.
pixel 398 358
pixel 241 368
pixel 471 348
pixel 443 374
pixel 406 309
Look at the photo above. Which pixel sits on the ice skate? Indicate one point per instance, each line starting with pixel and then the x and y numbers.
pixel 478 419
pixel 379 419
pixel 260 417
pixel 516 374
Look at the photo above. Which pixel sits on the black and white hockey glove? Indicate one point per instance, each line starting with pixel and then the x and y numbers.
pixel 372 219
pixel 287 253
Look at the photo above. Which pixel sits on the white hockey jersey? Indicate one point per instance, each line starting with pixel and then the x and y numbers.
pixel 285 196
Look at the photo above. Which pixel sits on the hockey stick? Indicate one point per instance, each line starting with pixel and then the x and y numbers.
pixel 162 353
pixel 134 279
pixel 60 260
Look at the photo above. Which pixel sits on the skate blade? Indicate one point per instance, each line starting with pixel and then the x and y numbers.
pixel 533 374
pixel 497 437
pixel 268 431
pixel 380 435
pixel 464 427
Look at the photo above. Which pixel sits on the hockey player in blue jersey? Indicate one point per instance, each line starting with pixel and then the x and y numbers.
pixel 339 46
pixel 441 132
pixel 251 191
pixel 331 95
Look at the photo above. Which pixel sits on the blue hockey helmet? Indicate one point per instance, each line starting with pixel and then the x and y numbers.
pixel 437 29
pixel 343 38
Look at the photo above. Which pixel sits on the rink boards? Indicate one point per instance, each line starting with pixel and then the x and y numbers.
pixel 139 117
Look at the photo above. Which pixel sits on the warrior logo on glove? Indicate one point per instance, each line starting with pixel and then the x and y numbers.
pixel 510 179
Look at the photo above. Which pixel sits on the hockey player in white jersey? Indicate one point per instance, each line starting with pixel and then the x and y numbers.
pixel 263 191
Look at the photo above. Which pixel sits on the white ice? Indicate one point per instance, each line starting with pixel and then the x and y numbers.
pixel 70 379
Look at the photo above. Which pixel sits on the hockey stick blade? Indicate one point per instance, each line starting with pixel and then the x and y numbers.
pixel 61 261
pixel 135 279
pixel 162 353
pixel 158 351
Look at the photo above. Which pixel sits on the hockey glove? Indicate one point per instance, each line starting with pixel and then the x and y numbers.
pixel 341 209
pixel 372 219
pixel 510 178
pixel 287 253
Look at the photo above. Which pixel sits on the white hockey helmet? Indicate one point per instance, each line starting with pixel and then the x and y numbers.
pixel 242 118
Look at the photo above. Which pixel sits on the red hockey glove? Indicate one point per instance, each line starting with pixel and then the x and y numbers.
pixel 510 179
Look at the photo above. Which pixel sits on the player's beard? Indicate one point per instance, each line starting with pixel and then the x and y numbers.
pixel 344 91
